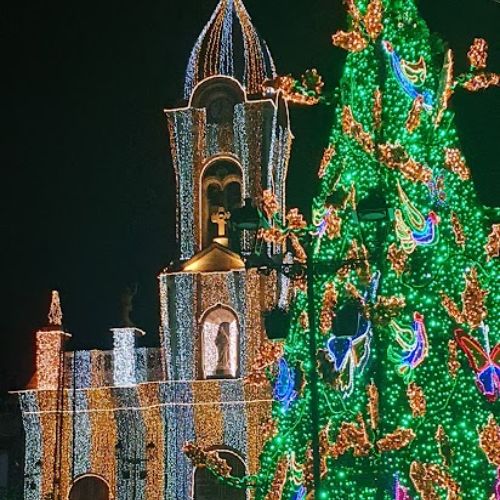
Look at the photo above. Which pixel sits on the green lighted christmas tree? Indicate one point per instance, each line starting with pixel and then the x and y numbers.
pixel 405 287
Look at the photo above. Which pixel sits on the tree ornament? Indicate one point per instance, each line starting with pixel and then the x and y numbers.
pixel 55 312
pixel 397 258
pixel 416 398
pixel 458 230
pixel 377 108
pixel 354 129
pixel 279 480
pixel 353 41
pixel 492 247
pixel 473 297
pixel 395 157
pixel 478 53
pixel 385 309
pixel 453 161
pixel 325 161
pixel 270 204
pixel 267 356
pixel 327 314
pixel 413 121
pixel 291 90
pixel 444 445
pixel 396 440
pixel 426 477
pixel 453 363
pixel 484 361
pixel 414 346
pixel 295 219
pixel 489 441
pixel 372 406
pixel 269 429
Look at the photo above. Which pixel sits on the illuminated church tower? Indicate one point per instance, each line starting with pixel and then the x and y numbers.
pixel 112 424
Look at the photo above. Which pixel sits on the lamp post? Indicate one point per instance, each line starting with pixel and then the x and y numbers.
pixel 248 218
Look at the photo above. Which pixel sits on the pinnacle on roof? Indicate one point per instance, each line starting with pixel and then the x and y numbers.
pixel 230 46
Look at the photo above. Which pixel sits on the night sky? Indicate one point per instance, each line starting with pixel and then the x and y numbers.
pixel 88 187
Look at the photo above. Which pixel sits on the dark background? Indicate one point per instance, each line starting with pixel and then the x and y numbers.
pixel 88 190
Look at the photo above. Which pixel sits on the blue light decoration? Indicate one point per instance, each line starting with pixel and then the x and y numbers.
pixel 436 191
pixel 300 494
pixel 428 235
pixel 408 75
pixel 484 361
pixel 284 386
pixel 414 344
pixel 351 352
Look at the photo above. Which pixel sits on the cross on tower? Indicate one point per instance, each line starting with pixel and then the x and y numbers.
pixel 220 217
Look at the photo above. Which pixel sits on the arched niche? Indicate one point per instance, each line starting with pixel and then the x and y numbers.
pixel 207 487
pixel 220 333
pixel 219 96
pixel 220 186
pixel 89 487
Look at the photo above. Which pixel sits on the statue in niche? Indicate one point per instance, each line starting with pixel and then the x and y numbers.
pixel 223 367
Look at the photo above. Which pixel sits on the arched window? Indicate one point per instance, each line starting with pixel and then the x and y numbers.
pixel 219 343
pixel 207 487
pixel 221 187
pixel 89 487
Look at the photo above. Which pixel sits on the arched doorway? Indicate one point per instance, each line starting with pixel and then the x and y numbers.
pixel 89 488
pixel 208 487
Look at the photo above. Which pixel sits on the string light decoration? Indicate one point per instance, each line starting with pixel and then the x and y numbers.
pixel 413 121
pixel 328 154
pixel 330 298
pixel 473 310
pixel 458 229
pixel 124 359
pixel 453 161
pixel 377 108
pixel 396 440
pixel 489 441
pixel 395 157
pixel 354 129
pixel 372 406
pixel 444 445
pixel 229 30
pixel 481 82
pixel 417 401
pixel 492 247
pixel 447 86
pixel 426 477
pixel 453 363
pixel 397 258
pixel 55 313
pixel 352 436
pixel 478 53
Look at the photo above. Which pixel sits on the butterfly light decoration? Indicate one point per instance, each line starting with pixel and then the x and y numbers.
pixel 409 75
pixel 483 360
pixel 414 344
pixel 351 352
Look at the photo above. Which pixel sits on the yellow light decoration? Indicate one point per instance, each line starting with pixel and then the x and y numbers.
pixel 482 81
pixel 447 86
pixel 489 441
pixel 416 398
pixel 454 161
pixel 397 258
pixel 473 297
pixel 328 154
pixel 373 19
pixel 372 406
pixel 287 86
pixel 395 157
pixel 269 353
pixel 276 490
pixel 330 297
pixel 353 10
pixel 300 254
pixel 295 219
pixel 202 458
pixel 55 313
pixel 413 121
pixel 478 53
pixel 377 108
pixel 269 429
pixel 396 440
pixel 353 436
pixel 353 41
pixel 426 477
pixel 453 363
pixel 492 247
pixel 353 128
pixel 458 230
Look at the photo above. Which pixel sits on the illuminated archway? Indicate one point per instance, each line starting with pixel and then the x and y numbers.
pixel 207 487
pixel 89 487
